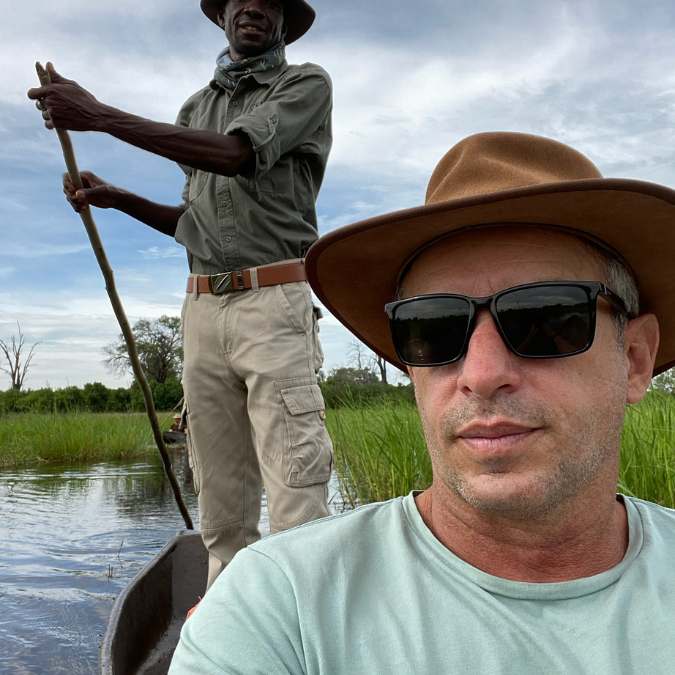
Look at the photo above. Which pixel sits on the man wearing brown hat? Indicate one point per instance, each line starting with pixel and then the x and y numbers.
pixel 530 300
pixel 254 145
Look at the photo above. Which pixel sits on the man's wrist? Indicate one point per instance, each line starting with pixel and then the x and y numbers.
pixel 105 118
pixel 123 199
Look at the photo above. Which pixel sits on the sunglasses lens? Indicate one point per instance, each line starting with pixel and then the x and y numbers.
pixel 429 331
pixel 547 321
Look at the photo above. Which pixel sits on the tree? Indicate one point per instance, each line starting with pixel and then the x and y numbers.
pixel 95 396
pixel 160 349
pixel 382 367
pixel 357 354
pixel 352 376
pixel 665 382
pixel 18 362
pixel 363 359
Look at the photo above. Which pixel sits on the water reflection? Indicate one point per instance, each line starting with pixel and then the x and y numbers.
pixel 72 538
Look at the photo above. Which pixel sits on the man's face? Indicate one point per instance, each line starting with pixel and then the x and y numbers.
pixel 251 26
pixel 509 435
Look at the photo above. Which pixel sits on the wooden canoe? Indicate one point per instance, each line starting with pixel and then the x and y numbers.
pixel 172 437
pixel 148 615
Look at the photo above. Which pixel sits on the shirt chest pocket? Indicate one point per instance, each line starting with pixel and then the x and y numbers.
pixel 277 181
pixel 204 119
pixel 197 182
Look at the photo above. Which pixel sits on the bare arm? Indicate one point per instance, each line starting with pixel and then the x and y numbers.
pixel 66 105
pixel 206 150
pixel 97 192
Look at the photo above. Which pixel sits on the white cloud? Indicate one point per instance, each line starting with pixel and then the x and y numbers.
pixel 72 329
pixel 157 253
pixel 409 81
pixel 39 250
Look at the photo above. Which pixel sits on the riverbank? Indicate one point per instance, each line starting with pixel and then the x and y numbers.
pixel 379 448
pixel 76 438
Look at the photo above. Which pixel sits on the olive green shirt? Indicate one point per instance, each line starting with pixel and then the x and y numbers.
pixel 248 220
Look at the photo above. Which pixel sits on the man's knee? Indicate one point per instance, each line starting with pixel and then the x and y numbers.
pixel 293 506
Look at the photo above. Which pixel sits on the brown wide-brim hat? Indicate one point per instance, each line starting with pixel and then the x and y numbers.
pixel 501 178
pixel 298 16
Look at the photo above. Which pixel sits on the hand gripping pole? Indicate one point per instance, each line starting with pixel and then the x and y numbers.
pixel 106 270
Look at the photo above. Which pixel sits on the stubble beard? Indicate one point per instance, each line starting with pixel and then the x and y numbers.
pixel 583 452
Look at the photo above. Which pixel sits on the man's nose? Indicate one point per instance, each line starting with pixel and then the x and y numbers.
pixel 255 7
pixel 488 366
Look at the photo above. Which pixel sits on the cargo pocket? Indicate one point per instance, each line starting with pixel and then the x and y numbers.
pixel 307 460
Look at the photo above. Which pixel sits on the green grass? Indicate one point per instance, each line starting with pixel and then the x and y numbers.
pixel 380 451
pixel 75 438
pixel 648 450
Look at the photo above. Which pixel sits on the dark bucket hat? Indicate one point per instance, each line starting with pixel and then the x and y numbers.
pixel 298 16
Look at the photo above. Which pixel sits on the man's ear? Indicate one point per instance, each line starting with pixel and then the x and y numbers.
pixel 221 16
pixel 641 342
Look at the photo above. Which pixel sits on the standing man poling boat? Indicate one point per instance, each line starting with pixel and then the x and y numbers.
pixel 253 145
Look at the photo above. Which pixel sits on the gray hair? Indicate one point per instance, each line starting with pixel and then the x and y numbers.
pixel 618 278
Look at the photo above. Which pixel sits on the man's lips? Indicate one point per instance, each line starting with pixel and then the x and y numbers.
pixel 496 437
pixel 251 27
pixel 493 430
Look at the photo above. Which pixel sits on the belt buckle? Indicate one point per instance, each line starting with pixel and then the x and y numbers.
pixel 220 283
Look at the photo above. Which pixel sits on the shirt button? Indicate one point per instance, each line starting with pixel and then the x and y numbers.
pixel 228 239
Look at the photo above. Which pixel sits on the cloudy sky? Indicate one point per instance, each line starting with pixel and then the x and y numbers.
pixel 410 80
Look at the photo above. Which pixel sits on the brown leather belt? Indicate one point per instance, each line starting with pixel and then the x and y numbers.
pixel 240 280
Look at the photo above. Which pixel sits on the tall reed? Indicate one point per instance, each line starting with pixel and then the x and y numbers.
pixel 72 437
pixel 648 450
pixel 379 451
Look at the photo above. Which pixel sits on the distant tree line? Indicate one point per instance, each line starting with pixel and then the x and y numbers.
pixel 93 397
pixel 343 386
pixel 360 386
pixel 160 349
pixel 159 342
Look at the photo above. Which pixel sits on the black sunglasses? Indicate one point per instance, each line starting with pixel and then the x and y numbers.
pixel 543 320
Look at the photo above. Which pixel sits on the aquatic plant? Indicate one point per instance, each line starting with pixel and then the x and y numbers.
pixel 73 437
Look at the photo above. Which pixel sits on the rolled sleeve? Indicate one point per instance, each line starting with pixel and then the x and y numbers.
pixel 292 114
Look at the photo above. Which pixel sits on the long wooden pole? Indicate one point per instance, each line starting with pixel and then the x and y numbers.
pixel 106 270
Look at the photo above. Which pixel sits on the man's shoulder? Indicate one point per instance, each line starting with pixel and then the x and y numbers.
pixel 655 525
pixel 304 71
pixel 653 513
pixel 193 101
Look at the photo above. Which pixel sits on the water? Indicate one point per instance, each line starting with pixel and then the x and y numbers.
pixel 72 538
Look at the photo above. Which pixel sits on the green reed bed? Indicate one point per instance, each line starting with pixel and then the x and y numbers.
pixel 27 438
pixel 648 450
pixel 380 451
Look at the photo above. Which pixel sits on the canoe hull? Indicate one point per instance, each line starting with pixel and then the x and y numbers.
pixel 148 615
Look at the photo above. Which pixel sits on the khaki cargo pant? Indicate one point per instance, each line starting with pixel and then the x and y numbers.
pixel 255 413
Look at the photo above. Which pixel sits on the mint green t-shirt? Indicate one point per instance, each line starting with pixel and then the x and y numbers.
pixel 374 592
